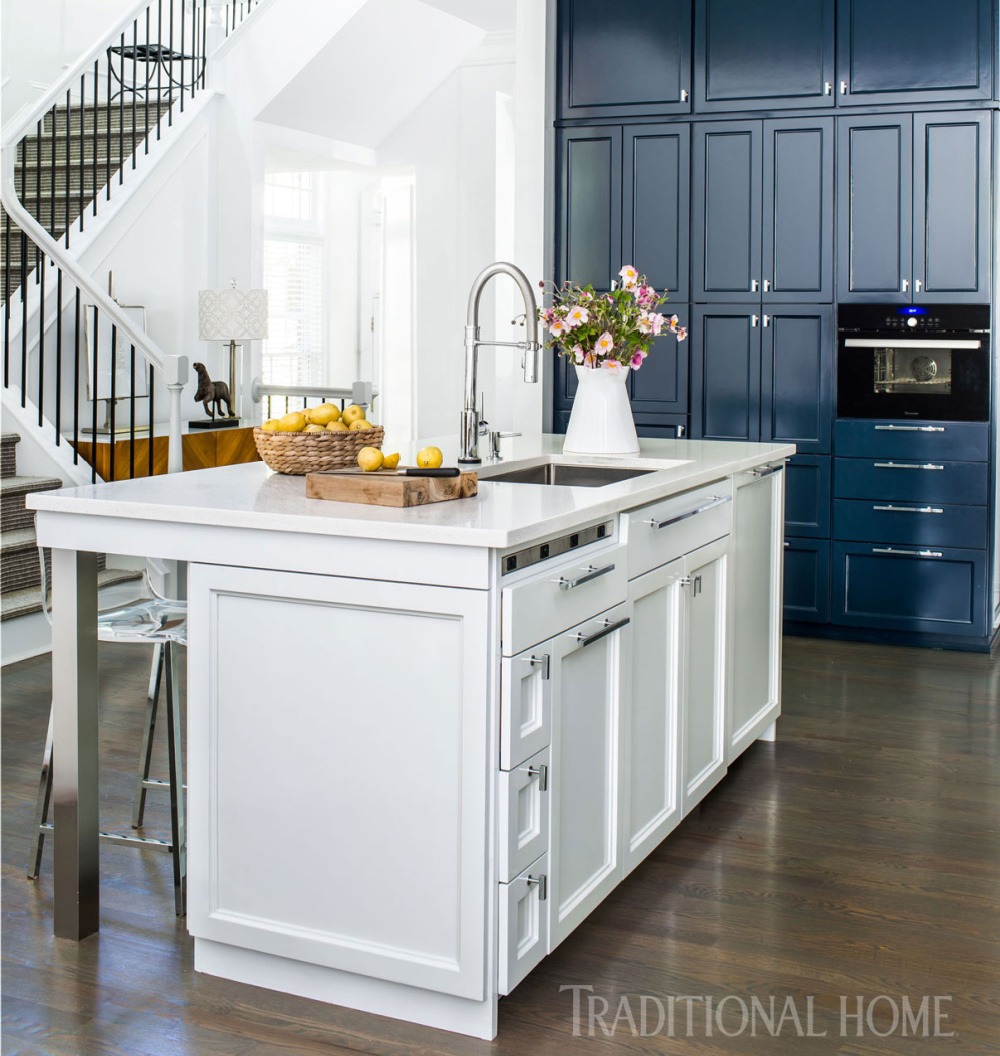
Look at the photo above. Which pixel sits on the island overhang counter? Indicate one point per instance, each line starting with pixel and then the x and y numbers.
pixel 424 744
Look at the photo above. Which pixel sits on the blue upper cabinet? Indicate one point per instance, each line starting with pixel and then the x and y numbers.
pixel 914 51
pixel 763 54
pixel 624 59
pixel 725 372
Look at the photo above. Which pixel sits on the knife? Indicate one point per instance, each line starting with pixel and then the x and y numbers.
pixel 409 471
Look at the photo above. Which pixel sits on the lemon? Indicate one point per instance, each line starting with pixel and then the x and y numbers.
pixel 271 425
pixel 337 427
pixel 429 457
pixel 370 459
pixel 313 428
pixel 293 422
pixel 323 414
pixel 353 413
pixel 360 423
pixel 390 461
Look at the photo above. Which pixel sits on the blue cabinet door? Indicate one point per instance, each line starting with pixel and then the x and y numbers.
pixel 726 214
pixel 933 524
pixel 660 386
pixel 797 357
pixel 807 580
pixel 763 54
pixel 797 221
pixel 624 61
pixel 914 51
pixel 912 480
pixel 589 233
pixel 875 208
pixel 807 496
pixel 951 207
pixel 725 372
pixel 656 205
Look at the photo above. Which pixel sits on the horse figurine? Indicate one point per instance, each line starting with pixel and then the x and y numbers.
pixel 212 393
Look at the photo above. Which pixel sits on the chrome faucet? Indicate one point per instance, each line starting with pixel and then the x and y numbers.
pixel 471 419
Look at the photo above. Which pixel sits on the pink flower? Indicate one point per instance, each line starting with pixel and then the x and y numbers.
pixel 590 360
pixel 646 296
pixel 629 276
pixel 604 344
pixel 577 316
pixel 558 327
pixel 586 295
pixel 637 359
pixel 657 320
pixel 577 354
pixel 611 364
pixel 645 323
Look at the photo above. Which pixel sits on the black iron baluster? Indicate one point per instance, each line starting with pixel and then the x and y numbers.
pixel 23 149
pixel 38 189
pixel 121 111
pixel 41 335
pixel 131 414
pixel 59 341
pixel 69 140
pixel 83 119
pixel 145 112
pixel 83 152
pixel 93 395
pixel 113 402
pixel 135 52
pixel 170 71
pixel 204 39
pixel 183 5
pixel 195 36
pixel 159 63
pixel 6 299
pixel 76 381
pixel 52 180
pixel 152 378
pixel 107 127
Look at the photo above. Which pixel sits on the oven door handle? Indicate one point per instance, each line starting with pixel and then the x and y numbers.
pixel 891 341
pixel 909 428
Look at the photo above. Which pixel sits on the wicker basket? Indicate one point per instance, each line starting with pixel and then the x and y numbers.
pixel 300 453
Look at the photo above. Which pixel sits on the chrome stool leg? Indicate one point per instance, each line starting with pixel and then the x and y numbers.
pixel 146 754
pixel 41 807
pixel 178 836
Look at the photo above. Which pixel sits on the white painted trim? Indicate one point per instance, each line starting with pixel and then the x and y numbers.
pixel 320 146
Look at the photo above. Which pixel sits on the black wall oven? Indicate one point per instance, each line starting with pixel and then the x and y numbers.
pixel 913 362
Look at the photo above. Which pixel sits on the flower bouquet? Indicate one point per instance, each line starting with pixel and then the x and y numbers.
pixel 605 335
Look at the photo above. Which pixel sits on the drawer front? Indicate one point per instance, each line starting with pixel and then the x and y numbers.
pixel 956 441
pixel 902 479
pixel 673 527
pixel 807 580
pixel 523 800
pixel 525 705
pixel 562 596
pixel 807 496
pixel 923 524
pixel 524 923
pixel 903 588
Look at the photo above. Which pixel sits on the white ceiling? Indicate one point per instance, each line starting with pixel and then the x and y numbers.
pixel 495 16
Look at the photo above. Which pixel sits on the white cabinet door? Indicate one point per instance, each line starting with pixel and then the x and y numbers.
pixel 704 630
pixel 651 798
pixel 587 675
pixel 524 924
pixel 339 802
pixel 758 535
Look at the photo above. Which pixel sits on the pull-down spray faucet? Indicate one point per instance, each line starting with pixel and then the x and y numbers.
pixel 469 439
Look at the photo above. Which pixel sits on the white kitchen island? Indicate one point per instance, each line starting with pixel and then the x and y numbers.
pixel 424 744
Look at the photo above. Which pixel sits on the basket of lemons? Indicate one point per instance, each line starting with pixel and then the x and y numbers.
pixel 316 439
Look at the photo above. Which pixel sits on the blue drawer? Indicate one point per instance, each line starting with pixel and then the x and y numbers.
pixel 958 441
pixel 926 524
pixel 939 591
pixel 807 580
pixel 807 496
pixel 893 480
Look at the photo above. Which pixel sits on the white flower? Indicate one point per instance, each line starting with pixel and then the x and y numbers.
pixel 629 277
pixel 645 323
pixel 577 315
pixel 604 344
pixel 558 327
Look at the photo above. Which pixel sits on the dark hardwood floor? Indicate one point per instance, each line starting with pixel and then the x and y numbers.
pixel 857 857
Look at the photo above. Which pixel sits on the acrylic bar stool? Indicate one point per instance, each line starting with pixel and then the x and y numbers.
pixel 162 623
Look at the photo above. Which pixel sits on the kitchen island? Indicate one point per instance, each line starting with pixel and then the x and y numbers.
pixel 424 744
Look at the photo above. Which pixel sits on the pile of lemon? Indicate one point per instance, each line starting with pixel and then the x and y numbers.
pixel 371 459
pixel 316 419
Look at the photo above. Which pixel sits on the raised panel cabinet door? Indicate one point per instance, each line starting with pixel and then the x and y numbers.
pixel 624 61
pixel 726 214
pixel 807 496
pixel 659 388
pixel 705 626
pixel 796 375
pixel 798 210
pixel 725 372
pixel 875 209
pixel 757 54
pixel 650 762
pixel 914 51
pixel 807 580
pixel 755 624
pixel 951 207
pixel 656 204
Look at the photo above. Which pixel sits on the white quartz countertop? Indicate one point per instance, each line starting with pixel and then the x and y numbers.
pixel 502 514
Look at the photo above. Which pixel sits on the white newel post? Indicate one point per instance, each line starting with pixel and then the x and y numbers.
pixel 175 375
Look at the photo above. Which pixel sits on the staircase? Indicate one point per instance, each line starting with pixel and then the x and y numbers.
pixel 20 572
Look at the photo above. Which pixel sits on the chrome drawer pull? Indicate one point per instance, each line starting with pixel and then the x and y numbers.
pixel 542 773
pixel 543 885
pixel 717 500
pixel 543 660
pixel 609 628
pixel 767 470
pixel 592 572
pixel 908 509
pixel 906 465
pixel 909 428
pixel 907 553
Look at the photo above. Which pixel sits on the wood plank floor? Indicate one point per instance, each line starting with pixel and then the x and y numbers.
pixel 857 857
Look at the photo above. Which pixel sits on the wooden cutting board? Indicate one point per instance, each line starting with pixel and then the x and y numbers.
pixel 388 488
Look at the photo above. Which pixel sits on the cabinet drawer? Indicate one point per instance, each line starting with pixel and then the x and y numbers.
pixel 960 441
pixel 895 480
pixel 673 527
pixel 935 590
pixel 524 923
pixel 523 802
pixel 561 596
pixel 525 705
pixel 807 496
pixel 807 580
pixel 926 524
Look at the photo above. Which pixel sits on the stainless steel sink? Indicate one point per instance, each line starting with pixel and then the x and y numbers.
pixel 570 476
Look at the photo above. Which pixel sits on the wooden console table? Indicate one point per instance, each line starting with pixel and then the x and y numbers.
pixel 203 449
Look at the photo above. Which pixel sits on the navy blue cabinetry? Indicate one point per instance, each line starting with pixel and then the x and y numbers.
pixel 725 372
pixel 914 51
pixel 624 60
pixel 757 54
pixel 807 496
pixel 807 580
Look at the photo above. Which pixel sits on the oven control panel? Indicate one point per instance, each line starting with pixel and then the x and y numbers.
pixel 913 318
pixel 912 322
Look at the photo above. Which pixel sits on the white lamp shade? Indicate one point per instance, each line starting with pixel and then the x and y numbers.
pixel 232 315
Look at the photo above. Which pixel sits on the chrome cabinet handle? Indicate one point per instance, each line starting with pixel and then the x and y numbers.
pixel 753 320
pixel 543 885
pixel 767 285
pixel 906 465
pixel 843 87
pixel 592 572
pixel 717 500
pixel 754 285
pixel 906 285
pixel 542 773
pixel 610 626
pixel 909 428
pixel 827 88
pixel 544 662
pixel 766 471
pixel 767 320
pixel 684 95
pixel 907 553
pixel 908 509
pixel 916 285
